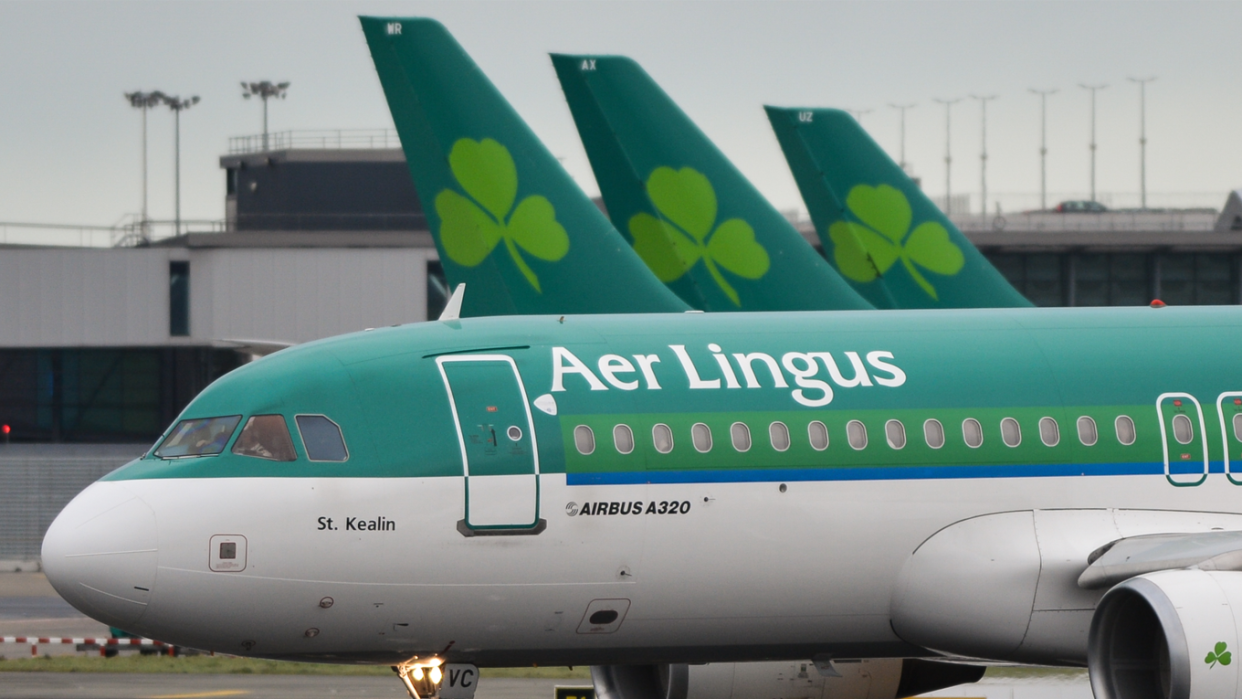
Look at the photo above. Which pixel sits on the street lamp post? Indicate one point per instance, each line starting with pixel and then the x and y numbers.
pixel 1043 144
pixel 1093 89
pixel 1142 83
pixel 902 108
pixel 144 101
pixel 264 90
pixel 948 158
pixel 178 105
pixel 983 153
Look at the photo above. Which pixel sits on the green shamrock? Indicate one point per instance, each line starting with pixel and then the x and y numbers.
pixel 683 235
pixel 866 250
pixel 1220 655
pixel 471 227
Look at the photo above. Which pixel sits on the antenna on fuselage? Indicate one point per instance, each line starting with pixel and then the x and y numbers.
pixel 452 309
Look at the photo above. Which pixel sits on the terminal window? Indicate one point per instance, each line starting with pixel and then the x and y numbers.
pixel 178 299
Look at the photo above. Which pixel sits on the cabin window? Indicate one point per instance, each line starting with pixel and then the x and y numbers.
pixel 584 439
pixel 1049 432
pixel 701 437
pixel 623 438
pixel 265 437
pixel 779 434
pixel 1125 430
pixel 933 432
pixel 1237 427
pixel 818 434
pixel 972 432
pixel 856 434
pixel 1011 432
pixel 896 434
pixel 322 438
pixel 1183 431
pixel 741 436
pixel 201 437
pixel 1087 433
pixel 662 436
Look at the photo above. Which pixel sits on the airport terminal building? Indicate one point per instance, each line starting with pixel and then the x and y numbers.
pixel 323 235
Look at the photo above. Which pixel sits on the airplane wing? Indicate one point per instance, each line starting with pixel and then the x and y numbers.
pixel 1136 555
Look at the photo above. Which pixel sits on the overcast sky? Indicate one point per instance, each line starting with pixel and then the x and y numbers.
pixel 70 144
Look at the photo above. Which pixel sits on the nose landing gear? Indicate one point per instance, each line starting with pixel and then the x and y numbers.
pixel 420 677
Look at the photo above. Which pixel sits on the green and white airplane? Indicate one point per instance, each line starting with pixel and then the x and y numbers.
pixel 855 492
pixel 696 221
pixel 871 216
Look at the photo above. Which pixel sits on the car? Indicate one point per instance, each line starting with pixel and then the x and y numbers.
pixel 1078 206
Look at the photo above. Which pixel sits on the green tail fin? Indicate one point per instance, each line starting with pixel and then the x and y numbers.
pixel 880 231
pixel 691 216
pixel 507 219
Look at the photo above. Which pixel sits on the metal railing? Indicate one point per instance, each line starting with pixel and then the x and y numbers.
pixel 130 231
pixel 1197 221
pixel 314 139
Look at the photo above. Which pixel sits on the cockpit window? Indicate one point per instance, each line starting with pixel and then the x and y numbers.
pixel 265 437
pixel 199 437
pixel 322 438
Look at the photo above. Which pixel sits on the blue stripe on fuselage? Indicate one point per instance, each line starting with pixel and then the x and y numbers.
pixel 882 473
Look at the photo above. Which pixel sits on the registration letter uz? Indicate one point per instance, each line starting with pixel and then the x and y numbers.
pixel 460 681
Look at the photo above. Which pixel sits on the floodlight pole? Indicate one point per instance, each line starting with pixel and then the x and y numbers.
pixel 178 105
pixel 1043 144
pixel 902 108
pixel 144 101
pixel 983 152
pixel 1093 89
pixel 1142 83
pixel 948 158
pixel 858 114
pixel 264 90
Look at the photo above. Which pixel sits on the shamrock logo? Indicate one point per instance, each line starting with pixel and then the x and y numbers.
pixel 686 232
pixel 866 250
pixel 1219 655
pixel 472 226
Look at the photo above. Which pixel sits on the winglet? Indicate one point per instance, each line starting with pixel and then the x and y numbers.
pixel 452 309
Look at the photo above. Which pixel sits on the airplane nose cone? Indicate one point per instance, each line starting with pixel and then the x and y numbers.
pixel 100 554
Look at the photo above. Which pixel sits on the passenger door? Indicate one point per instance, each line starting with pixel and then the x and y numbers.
pixel 498 449
pixel 1183 434
pixel 1229 407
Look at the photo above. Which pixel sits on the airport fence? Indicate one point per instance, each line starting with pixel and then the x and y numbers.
pixel 37 481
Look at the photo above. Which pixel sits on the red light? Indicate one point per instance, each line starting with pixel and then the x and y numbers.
pixel 1177 403
pixel 4 429
pixel 1237 401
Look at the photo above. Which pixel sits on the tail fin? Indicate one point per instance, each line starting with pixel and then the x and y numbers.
pixel 507 219
pixel 877 227
pixel 692 217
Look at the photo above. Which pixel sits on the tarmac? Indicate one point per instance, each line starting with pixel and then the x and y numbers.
pixel 30 607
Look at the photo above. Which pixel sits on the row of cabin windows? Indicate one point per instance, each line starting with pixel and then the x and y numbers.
pixel 894 434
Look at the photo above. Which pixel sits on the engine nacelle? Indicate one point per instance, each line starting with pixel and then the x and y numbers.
pixel 886 678
pixel 1168 635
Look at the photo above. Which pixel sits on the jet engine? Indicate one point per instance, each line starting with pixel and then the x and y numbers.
pixel 886 678
pixel 1168 635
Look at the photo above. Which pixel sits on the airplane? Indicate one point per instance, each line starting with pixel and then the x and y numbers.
pixel 863 492
pixel 696 221
pixel 872 216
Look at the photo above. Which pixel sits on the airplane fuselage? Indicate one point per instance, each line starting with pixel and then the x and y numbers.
pixel 751 486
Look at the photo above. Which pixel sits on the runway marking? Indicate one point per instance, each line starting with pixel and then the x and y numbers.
pixel 202 695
